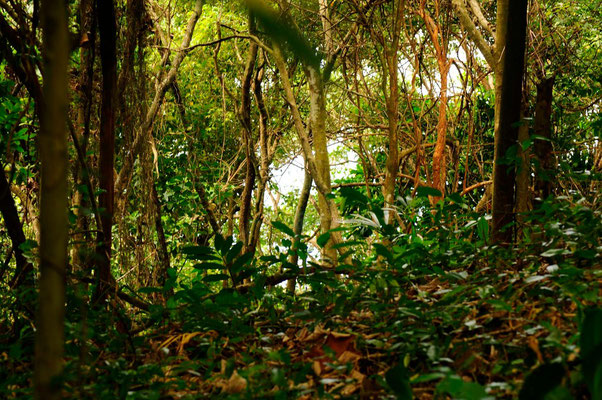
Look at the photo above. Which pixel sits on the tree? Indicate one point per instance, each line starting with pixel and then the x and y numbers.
pixel 107 27
pixel 513 29
pixel 53 207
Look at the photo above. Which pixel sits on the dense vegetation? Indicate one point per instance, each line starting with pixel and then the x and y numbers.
pixel 301 199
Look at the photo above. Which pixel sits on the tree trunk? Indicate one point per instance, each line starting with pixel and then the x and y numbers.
pixel 53 207
pixel 24 270
pixel 392 100
pixel 267 149
pixel 523 176
pixel 247 138
pixel 298 224
pixel 317 121
pixel 79 202
pixel 328 211
pixel 107 27
pixel 543 147
pixel 164 264
pixel 439 158
pixel 504 174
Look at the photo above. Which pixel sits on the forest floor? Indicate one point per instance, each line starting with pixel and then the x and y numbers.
pixel 469 337
pixel 444 338
pixel 440 315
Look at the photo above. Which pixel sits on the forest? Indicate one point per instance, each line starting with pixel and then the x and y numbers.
pixel 301 199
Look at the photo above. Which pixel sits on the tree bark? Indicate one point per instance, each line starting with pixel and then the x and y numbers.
pixel 392 101
pixel 328 211
pixel 504 174
pixel 523 175
pixel 439 172
pixel 107 27
pixel 24 270
pixel 53 207
pixel 164 263
pixel 298 224
pixel 267 148
pixel 86 77
pixel 543 147
pixel 247 138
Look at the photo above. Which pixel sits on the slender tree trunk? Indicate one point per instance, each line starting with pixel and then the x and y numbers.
pixel 439 172
pixel 298 224
pixel 439 158
pixel 247 137
pixel 79 257
pixel 328 211
pixel 24 270
pixel 53 207
pixel 267 149
pixel 543 143
pixel 108 57
pixel 317 118
pixel 164 263
pixel 392 100
pixel 504 174
pixel 523 175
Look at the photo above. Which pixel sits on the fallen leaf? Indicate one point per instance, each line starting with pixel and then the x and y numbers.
pixel 235 384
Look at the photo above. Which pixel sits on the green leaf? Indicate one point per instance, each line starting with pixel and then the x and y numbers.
pixel 591 349
pixel 541 381
pixel 460 390
pixel 194 251
pixel 398 379
pixel 383 251
pixel 219 242
pixel 284 32
pixel 241 261
pixel 234 252
pixel 283 228
pixel 483 229
pixel 208 265
pixel 554 252
pixel 323 239
pixel 425 191
pixel 597 383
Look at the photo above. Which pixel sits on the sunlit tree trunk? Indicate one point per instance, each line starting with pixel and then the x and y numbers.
pixel 247 138
pixel 439 40
pixel 317 123
pixel 328 211
pixel 53 207
pixel 267 147
pixel 392 100
pixel 504 174
pixel 298 224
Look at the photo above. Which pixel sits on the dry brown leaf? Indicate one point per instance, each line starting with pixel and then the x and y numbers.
pixel 348 357
pixel 235 384
pixel 317 367
pixel 340 335
pixel 533 344
pixel 185 339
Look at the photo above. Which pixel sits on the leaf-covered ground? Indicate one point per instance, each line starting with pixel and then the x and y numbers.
pixel 429 313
